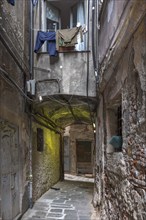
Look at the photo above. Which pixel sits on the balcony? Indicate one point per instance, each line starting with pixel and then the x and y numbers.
pixel 65 83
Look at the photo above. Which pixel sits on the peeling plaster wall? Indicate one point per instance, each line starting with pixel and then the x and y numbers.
pixel 46 164
pixel 72 76
pixel 12 104
pixel 124 191
pixel 109 22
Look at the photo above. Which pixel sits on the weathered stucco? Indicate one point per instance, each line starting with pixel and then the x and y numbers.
pixel 110 18
pixel 14 110
pixel 69 69
pixel 81 133
pixel 68 75
pixel 45 164
pixel 120 184
pixel 12 106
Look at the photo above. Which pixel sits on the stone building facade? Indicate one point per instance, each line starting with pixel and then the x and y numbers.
pixel 79 149
pixel 65 82
pixel 21 161
pixel 120 191
pixel 39 96
pixel 14 120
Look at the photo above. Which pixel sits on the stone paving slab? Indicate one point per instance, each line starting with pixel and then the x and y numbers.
pixel 71 201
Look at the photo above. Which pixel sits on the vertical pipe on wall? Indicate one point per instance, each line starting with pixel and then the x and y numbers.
pixel 30 163
pixel 88 70
pixel 95 37
pixel 30 110
pixel 87 85
pixel 31 41
pixel 43 22
pixel 61 158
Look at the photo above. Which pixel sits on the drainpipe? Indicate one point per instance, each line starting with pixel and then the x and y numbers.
pixel 88 19
pixel 30 162
pixel 61 158
pixel 30 117
pixel 31 42
pixel 88 70
pixel 43 23
pixel 95 38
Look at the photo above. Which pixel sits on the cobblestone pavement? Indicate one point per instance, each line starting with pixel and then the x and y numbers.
pixel 68 200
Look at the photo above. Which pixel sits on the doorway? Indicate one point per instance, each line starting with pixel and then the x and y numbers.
pixel 9 159
pixel 84 156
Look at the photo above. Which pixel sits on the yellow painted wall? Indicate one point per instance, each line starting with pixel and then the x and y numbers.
pixel 46 164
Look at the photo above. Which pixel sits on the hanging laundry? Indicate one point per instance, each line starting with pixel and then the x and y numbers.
pixel 34 2
pixel 50 37
pixel 67 37
pixel 12 2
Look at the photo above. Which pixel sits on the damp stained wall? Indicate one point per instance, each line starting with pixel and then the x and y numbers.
pixel 45 164
pixel 77 133
pixel 123 187
pixel 13 113
pixel 68 68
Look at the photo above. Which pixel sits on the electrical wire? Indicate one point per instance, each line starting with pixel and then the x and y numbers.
pixel 13 54
pixel 62 103
pixel 49 80
pixel 94 44
pixel 87 84
pixel 18 42
pixel 9 80
pixel 44 125
pixel 48 120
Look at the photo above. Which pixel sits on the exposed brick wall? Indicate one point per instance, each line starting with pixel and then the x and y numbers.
pixel 124 179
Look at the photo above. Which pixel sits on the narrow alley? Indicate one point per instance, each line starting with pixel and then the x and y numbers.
pixel 70 199
pixel 72 109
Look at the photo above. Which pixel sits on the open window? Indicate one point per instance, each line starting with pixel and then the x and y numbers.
pixel 114 128
pixel 64 14
pixel 52 17
pixel 40 140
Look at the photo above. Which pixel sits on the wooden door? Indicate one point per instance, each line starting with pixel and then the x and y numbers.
pixel 84 156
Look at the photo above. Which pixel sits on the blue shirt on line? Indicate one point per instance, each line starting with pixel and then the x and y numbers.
pixel 46 36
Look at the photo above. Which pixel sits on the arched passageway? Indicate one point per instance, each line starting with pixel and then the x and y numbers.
pixel 67 123
pixel 72 118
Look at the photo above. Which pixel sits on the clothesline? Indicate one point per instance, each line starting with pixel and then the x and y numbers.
pixel 47 30
pixel 12 2
pixel 60 38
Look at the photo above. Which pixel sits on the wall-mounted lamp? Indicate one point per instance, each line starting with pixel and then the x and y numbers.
pixel 95 73
pixel 94 125
pixel 40 98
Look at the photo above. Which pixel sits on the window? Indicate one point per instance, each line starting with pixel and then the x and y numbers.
pixel 52 17
pixel 114 129
pixel 78 14
pixel 65 14
pixel 119 121
pixel 40 140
